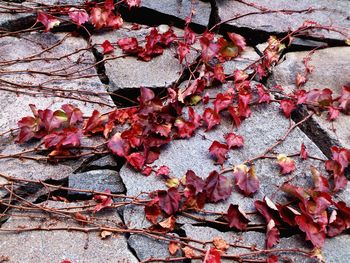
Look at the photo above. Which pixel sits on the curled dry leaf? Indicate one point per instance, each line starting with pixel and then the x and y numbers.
pixel 173 247
pixel 105 234
pixel 220 244
pixel 286 164
pixel 189 252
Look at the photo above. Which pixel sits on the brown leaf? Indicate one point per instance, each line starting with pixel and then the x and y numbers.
pixel 173 248
pixel 220 244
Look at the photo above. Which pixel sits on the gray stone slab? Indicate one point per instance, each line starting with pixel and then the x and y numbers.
pixel 245 58
pixel 329 13
pixel 97 180
pixel 129 72
pixel 146 247
pixel 56 246
pixel 331 70
pixel 181 9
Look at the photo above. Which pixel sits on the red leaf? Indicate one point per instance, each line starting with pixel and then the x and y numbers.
pixel 342 156
pixel 312 230
pixel 272 235
pixel 272 259
pixel 132 3
pixel 152 211
pixel 217 187
pixel 303 153
pixel 236 218
pixel 239 76
pixel 78 16
pixel 264 96
pixel 320 182
pixel 169 201
pixel 107 47
pixel 222 101
pixel 109 5
pixel 212 256
pixel 344 100
pixel 114 21
pixel 69 137
pixel 129 45
pixel 189 36
pixel 287 107
pixel 103 201
pixel 246 179
pixel 118 145
pixel 286 164
pixel 28 127
pixel 211 118
pixel 333 113
pixel 168 37
pixel 47 20
pixel 196 182
pixel 95 123
pixel 182 50
pixel 99 17
pixel 238 40
pixel 209 49
pixel 219 73
pixel 147 170
pixel 74 114
pixel 233 140
pixel 219 151
pixel 137 160
pixel 163 170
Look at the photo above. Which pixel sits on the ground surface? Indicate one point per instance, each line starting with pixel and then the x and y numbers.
pixel 31 73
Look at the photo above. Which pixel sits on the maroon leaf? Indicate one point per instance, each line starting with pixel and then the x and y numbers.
pixel 303 153
pixel 272 235
pixel 103 200
pixel 169 201
pixel 236 218
pixel 152 211
pixel 287 107
pixel 211 118
pixel 78 16
pixel 118 145
pixel 217 187
pixel 238 40
pixel 137 160
pixel 264 96
pixel 286 164
pixel 344 99
pixel 182 50
pixel 196 182
pixel 129 45
pixel 107 47
pixel 222 101
pixel 163 171
pixel 246 179
pixel 312 230
pixel 219 151
pixel 212 256
pixel 233 140
pixel 47 20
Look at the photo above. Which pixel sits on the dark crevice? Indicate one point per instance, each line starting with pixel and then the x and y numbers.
pixel 131 249
pixel 100 66
pixel 314 132
pixel 150 17
pixel 214 14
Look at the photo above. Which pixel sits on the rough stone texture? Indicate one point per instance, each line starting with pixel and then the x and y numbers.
pixel 181 9
pixel 146 247
pixel 76 65
pixel 335 249
pixel 129 72
pixel 330 13
pixel 15 105
pixel 260 131
pixel 97 180
pixel 247 57
pixel 56 246
pixel 331 70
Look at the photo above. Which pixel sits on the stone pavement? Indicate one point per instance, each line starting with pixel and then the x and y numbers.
pixel 51 69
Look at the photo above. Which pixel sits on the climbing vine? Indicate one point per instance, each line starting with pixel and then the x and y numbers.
pixel 144 129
